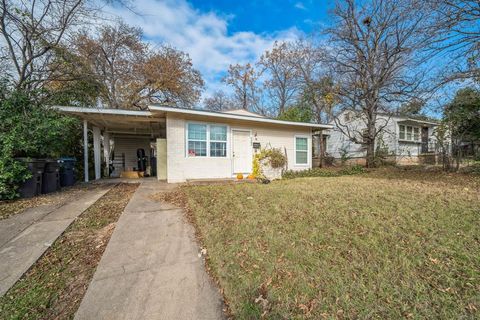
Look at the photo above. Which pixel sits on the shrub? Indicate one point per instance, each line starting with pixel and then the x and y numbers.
pixel 322 172
pixel 314 172
pixel 275 157
pixel 355 169
pixel 28 129
pixel 344 155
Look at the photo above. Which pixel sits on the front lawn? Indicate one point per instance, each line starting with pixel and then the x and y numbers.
pixel 386 245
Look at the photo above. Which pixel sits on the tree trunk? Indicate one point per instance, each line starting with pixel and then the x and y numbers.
pixel 371 154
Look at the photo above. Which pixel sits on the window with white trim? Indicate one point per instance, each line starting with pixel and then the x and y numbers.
pixel 301 150
pixel 218 141
pixel 206 140
pixel 197 140
pixel 409 133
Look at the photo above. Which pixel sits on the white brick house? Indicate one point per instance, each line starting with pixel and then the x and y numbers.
pixel 187 144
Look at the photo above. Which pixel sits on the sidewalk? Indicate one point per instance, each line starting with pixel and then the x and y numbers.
pixel 25 236
pixel 150 268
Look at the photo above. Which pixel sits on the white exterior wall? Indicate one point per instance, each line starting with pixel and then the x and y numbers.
pixel 181 168
pixel 337 140
pixel 129 146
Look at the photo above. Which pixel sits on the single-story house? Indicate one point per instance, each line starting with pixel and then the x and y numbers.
pixel 406 140
pixel 186 144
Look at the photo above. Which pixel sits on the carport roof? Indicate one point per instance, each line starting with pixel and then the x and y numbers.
pixel 118 120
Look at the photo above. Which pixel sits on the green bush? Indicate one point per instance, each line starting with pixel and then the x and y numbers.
pixel 28 129
pixel 355 169
pixel 322 172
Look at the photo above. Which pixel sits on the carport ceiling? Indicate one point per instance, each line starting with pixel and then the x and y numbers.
pixel 120 121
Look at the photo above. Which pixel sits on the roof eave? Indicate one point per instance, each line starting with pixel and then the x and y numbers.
pixel 236 117
pixel 80 110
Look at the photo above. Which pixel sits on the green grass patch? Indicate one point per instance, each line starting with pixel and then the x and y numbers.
pixel 387 244
pixel 55 285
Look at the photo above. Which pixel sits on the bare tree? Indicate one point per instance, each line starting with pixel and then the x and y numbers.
pixel 219 101
pixel 376 56
pixel 30 31
pixel 283 83
pixel 455 31
pixel 317 87
pixel 243 79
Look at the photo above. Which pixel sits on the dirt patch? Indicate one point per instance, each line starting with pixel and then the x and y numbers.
pixel 55 285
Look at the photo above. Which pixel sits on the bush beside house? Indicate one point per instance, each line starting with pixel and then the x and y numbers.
pixel 31 130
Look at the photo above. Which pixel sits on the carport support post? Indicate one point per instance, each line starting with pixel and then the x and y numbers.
pixel 106 152
pixel 85 149
pixel 96 152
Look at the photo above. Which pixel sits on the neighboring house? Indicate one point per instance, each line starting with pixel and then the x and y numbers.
pixel 405 140
pixel 186 144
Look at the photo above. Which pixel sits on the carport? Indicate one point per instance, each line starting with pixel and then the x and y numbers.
pixel 121 133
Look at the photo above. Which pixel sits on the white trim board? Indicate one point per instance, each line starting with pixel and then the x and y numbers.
pixel 236 117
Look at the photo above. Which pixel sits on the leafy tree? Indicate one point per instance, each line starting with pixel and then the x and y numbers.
pixel 29 129
pixel 462 117
pixel 125 72
pixel 298 113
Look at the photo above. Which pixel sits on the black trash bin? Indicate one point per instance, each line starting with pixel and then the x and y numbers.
pixel 141 160
pixel 67 171
pixel 32 186
pixel 153 166
pixel 51 176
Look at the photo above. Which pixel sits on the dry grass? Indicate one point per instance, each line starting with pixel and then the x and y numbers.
pixel 388 244
pixel 13 207
pixel 55 285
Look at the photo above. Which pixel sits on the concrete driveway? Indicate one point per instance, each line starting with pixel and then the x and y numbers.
pixel 151 268
pixel 27 235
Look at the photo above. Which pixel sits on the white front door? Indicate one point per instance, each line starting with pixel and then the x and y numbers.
pixel 241 151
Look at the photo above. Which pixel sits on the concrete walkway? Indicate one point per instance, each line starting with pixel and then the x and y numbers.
pixel 25 236
pixel 150 268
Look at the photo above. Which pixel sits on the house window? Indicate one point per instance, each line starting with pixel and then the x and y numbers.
pixel 197 140
pixel 204 139
pixel 218 141
pixel 409 133
pixel 402 132
pixel 301 150
pixel 416 134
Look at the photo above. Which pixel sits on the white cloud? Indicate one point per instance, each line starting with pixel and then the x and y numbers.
pixel 204 36
pixel 300 5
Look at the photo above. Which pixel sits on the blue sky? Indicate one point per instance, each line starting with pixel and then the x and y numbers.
pixel 269 16
pixel 222 32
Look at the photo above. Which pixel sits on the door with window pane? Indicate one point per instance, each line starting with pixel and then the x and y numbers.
pixel 241 152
